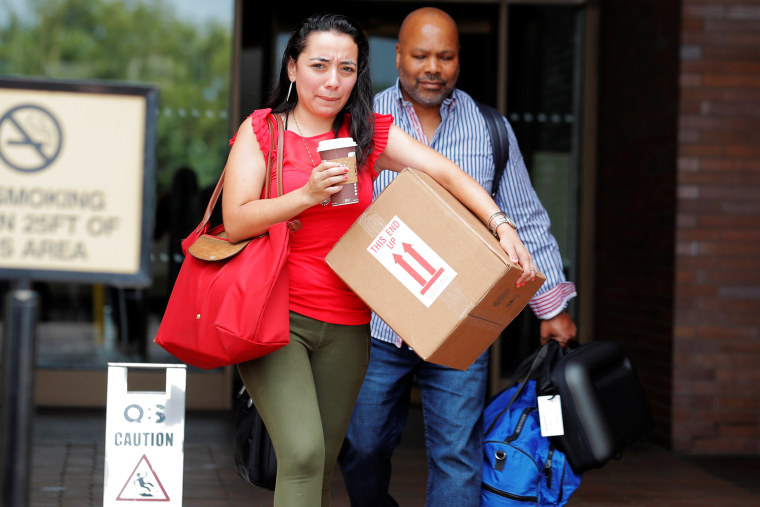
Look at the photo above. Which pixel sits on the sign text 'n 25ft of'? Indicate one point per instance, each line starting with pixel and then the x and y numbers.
pixel 77 167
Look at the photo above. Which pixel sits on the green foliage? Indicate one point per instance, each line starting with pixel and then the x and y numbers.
pixel 139 41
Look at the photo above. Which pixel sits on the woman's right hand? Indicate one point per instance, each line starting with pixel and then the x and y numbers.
pixel 326 179
pixel 514 247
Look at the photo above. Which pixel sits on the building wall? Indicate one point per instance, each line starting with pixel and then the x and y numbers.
pixel 636 189
pixel 716 353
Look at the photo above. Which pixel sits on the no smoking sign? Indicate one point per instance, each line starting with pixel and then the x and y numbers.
pixel 30 138
pixel 76 185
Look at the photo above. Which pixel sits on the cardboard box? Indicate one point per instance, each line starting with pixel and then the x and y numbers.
pixel 432 270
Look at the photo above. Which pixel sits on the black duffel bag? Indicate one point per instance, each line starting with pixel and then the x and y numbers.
pixel 255 460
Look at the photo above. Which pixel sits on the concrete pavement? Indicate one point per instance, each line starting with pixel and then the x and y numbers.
pixel 69 449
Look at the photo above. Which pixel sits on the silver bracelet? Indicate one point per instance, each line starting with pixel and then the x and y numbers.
pixel 497 214
pixel 502 218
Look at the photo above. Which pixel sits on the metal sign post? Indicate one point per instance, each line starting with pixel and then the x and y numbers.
pixel 18 389
pixel 145 432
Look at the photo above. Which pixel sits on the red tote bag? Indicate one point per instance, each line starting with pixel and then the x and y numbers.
pixel 230 301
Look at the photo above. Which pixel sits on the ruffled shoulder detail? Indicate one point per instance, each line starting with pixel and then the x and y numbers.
pixel 260 128
pixel 383 124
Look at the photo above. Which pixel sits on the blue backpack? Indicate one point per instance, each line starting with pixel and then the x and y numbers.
pixel 520 467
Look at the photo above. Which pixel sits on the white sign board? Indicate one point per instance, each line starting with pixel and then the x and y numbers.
pixel 411 261
pixel 76 180
pixel 145 433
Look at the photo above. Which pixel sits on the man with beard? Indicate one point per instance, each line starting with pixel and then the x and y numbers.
pixel 425 103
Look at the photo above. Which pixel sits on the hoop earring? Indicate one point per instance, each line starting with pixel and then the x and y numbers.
pixel 289 90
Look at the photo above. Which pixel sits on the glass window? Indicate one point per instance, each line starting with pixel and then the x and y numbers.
pixel 184 48
pixel 543 71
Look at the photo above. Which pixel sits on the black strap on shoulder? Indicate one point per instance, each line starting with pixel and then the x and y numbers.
pixel 499 142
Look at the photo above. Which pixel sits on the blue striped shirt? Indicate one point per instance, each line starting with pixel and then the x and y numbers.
pixel 463 137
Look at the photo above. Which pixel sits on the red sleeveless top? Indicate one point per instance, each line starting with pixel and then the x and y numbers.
pixel 315 290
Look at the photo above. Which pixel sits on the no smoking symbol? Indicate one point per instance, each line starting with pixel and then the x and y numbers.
pixel 30 138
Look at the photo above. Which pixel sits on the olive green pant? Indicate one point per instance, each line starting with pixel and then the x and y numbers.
pixel 305 393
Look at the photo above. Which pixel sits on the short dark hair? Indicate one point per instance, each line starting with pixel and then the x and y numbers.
pixel 359 103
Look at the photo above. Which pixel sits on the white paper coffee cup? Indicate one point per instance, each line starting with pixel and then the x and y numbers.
pixel 342 150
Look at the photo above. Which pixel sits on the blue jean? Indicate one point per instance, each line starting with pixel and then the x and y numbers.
pixel 452 407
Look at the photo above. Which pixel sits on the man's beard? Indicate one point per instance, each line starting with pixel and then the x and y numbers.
pixel 426 97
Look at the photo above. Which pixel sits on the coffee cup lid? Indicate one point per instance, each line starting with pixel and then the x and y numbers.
pixel 334 144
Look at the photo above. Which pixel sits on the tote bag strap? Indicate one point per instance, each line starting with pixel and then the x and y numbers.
pixel 280 146
pixel 270 119
pixel 293 225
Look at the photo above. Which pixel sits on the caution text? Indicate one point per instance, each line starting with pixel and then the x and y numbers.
pixel 144 439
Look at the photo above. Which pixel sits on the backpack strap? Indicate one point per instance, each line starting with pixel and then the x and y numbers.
pixel 499 142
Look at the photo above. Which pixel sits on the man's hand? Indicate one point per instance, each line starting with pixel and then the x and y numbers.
pixel 560 328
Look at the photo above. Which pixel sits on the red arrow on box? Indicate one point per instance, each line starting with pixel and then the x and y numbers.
pixel 416 255
pixel 398 259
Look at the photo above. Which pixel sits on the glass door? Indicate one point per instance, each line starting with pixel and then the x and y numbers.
pixel 544 106
pixel 526 55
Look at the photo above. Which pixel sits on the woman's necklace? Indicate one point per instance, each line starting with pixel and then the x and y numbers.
pixel 308 152
pixel 302 139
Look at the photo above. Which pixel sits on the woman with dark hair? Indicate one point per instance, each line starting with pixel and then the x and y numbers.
pixel 305 391
pixel 285 95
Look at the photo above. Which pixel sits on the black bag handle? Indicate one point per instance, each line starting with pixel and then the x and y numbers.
pixel 499 142
pixel 532 363
pixel 543 359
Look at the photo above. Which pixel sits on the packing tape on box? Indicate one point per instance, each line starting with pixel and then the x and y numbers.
pixel 372 223
pixel 455 300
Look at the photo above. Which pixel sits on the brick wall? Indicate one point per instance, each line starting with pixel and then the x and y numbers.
pixel 716 353
pixel 636 189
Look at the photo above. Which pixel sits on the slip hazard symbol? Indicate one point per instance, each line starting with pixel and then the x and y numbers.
pixel 143 485
pixel 411 261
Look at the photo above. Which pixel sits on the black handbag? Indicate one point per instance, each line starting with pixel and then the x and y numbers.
pixel 604 408
pixel 255 460
pixel 603 404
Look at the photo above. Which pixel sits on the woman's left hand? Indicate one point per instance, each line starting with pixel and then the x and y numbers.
pixel 517 252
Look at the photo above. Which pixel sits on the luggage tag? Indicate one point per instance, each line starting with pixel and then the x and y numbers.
pixel 550 416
